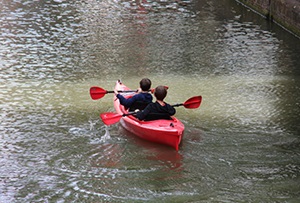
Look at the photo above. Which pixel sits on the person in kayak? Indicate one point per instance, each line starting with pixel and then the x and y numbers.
pixel 158 109
pixel 139 100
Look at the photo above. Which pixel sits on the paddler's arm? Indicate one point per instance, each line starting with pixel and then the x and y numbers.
pixel 126 102
pixel 171 109
pixel 141 115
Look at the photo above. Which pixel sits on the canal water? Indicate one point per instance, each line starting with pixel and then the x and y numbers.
pixel 241 145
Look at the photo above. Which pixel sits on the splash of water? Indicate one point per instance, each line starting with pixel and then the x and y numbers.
pixel 77 131
pixel 92 124
pixel 106 136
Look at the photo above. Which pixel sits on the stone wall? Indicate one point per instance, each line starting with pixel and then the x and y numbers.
pixel 284 12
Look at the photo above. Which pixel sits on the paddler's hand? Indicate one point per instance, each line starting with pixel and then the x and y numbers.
pixel 116 92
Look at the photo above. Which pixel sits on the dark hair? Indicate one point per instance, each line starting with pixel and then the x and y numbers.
pixel 145 84
pixel 160 92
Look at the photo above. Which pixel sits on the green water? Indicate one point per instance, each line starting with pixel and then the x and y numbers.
pixel 241 145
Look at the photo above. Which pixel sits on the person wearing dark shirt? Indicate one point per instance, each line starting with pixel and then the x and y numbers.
pixel 158 109
pixel 139 100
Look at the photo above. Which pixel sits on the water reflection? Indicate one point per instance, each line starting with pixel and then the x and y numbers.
pixel 36 39
pixel 162 155
pixel 54 147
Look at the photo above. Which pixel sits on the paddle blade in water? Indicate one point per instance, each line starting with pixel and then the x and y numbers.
pixel 110 118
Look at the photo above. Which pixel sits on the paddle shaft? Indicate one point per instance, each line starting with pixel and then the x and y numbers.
pixel 121 91
pixel 98 92
pixel 111 118
pixel 176 105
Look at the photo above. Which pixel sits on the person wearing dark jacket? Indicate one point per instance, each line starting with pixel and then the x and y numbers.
pixel 139 100
pixel 158 109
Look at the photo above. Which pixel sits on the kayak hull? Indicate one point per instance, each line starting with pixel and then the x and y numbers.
pixel 167 132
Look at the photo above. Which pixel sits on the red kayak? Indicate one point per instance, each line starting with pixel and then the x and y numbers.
pixel 168 132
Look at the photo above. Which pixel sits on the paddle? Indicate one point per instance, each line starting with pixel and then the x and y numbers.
pixel 191 103
pixel 110 118
pixel 98 92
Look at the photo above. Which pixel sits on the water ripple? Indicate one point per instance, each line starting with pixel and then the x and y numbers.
pixel 54 147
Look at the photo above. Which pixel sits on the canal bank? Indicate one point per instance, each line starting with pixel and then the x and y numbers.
pixel 284 12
